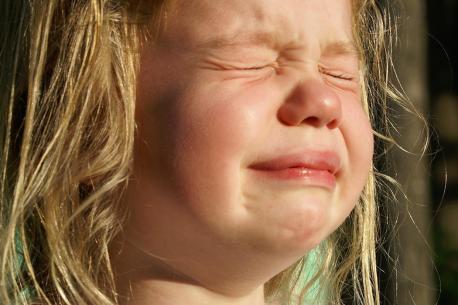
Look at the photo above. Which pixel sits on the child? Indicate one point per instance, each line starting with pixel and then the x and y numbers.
pixel 189 151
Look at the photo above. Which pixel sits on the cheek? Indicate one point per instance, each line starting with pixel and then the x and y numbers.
pixel 361 141
pixel 360 144
pixel 212 127
pixel 221 122
pixel 213 130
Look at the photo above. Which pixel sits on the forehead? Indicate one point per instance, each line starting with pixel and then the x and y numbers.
pixel 280 21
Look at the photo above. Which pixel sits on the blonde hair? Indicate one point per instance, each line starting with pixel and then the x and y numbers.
pixel 67 128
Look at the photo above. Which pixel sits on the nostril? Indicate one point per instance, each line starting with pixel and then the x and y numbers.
pixel 317 122
pixel 313 121
pixel 333 124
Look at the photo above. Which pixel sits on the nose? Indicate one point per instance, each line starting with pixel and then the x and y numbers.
pixel 311 102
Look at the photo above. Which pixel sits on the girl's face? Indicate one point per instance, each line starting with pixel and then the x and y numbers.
pixel 252 143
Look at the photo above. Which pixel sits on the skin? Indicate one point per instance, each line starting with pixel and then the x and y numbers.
pixel 204 228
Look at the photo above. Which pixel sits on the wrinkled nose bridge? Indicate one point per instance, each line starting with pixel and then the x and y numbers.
pixel 312 102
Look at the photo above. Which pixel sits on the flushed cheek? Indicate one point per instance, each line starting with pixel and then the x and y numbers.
pixel 222 121
pixel 213 132
pixel 215 125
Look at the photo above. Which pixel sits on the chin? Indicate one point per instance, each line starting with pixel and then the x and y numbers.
pixel 299 242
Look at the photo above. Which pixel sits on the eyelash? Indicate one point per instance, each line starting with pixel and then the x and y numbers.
pixel 337 75
pixel 341 76
pixel 257 67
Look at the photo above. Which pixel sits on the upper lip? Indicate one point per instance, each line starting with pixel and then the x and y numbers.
pixel 312 159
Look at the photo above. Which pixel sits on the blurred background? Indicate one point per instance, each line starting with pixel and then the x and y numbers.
pixel 443 97
pixel 425 246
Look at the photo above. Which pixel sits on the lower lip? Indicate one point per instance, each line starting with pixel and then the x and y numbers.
pixel 311 177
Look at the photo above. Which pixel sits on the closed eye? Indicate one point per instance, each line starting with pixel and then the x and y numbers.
pixel 337 74
pixel 254 68
pixel 340 79
pixel 341 76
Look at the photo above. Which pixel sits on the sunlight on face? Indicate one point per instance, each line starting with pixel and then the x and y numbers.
pixel 252 145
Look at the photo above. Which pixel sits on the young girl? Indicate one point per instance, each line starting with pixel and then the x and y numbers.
pixel 190 151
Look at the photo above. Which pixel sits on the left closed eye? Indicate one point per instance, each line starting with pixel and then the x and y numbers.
pixel 339 75
pixel 340 79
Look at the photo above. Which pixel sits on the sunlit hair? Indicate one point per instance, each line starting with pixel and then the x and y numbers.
pixel 67 89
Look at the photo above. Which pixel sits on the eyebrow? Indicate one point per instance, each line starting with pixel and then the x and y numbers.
pixel 343 47
pixel 270 39
pixel 245 38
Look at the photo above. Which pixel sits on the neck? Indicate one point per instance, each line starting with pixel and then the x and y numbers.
pixel 146 281
pixel 164 292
